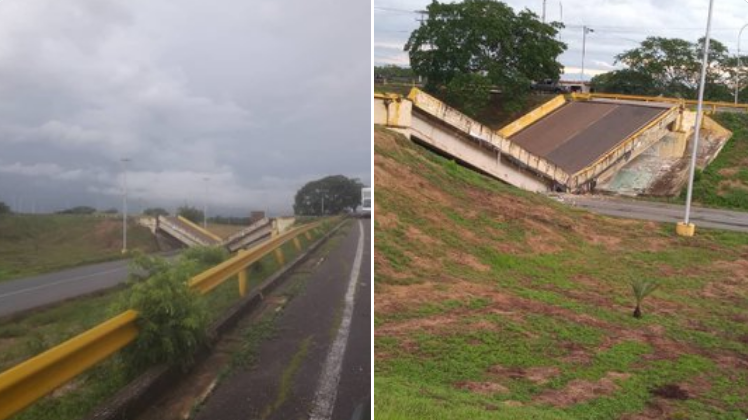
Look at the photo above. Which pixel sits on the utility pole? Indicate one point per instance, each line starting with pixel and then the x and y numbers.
pixel 543 17
pixel 686 228
pixel 205 204
pixel 585 31
pixel 124 204
pixel 737 70
pixel 561 12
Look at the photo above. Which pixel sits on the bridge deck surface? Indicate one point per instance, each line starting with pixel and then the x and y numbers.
pixel 579 133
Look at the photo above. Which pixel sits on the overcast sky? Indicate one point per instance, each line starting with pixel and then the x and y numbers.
pixel 619 25
pixel 257 96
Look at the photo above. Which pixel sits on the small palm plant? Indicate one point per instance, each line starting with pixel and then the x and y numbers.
pixel 641 289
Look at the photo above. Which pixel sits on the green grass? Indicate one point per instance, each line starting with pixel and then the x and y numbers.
pixel 724 183
pixel 34 244
pixel 566 306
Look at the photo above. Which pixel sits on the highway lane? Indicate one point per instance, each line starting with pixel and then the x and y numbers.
pixel 317 365
pixel 660 212
pixel 31 292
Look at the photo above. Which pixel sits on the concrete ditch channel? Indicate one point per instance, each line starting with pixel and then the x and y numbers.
pixel 300 315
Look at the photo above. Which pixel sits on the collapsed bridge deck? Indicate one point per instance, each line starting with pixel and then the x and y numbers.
pixel 579 133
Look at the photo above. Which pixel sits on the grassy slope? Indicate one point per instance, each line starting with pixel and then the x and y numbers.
pixel 495 303
pixel 724 183
pixel 33 244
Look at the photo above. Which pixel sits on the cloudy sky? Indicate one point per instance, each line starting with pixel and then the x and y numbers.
pixel 257 96
pixel 619 25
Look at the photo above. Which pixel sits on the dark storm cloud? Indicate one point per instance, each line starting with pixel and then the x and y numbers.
pixel 259 97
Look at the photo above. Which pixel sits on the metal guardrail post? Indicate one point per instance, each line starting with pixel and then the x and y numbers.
pixel 280 257
pixel 243 282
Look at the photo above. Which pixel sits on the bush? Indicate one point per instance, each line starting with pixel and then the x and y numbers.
pixel 173 318
pixel 205 256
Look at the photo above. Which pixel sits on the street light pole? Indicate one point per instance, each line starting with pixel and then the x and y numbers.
pixel 124 204
pixel 544 2
pixel 205 204
pixel 737 69
pixel 585 31
pixel 686 228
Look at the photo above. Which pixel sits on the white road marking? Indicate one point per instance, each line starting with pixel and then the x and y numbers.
pixel 48 285
pixel 327 388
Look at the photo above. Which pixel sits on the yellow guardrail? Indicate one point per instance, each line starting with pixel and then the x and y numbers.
pixel 22 385
pixel 713 105
pixel 34 378
pixel 533 116
pixel 199 228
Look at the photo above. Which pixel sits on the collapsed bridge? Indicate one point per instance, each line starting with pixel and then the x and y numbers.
pixel 567 144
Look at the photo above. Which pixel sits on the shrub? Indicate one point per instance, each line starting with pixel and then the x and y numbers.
pixel 641 289
pixel 173 318
pixel 205 256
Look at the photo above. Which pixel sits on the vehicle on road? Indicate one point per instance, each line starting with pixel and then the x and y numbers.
pixel 366 202
pixel 551 86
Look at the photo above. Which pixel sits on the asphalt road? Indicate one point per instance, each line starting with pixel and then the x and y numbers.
pixel 318 364
pixel 660 212
pixel 31 292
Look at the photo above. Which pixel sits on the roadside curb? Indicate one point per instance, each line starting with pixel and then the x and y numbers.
pixel 134 398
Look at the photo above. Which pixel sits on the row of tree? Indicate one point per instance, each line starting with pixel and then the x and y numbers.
pixel 326 196
pixel 672 67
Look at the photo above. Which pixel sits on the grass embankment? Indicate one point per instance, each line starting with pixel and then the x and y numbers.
pixel 34 244
pixel 494 303
pixel 724 183
pixel 23 338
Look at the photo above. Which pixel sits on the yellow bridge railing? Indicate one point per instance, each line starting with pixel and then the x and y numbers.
pixel 29 381
pixel 709 106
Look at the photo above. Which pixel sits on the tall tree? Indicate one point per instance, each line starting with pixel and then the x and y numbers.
pixel 4 208
pixel 190 213
pixel 671 67
pixel 473 45
pixel 329 195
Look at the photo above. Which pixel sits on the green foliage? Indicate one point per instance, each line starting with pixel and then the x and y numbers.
pixel 641 288
pixel 206 256
pixel 391 71
pixel 327 196
pixel 78 210
pixel 671 67
pixel 190 213
pixel 465 47
pixel 155 211
pixel 173 318
pixel 4 208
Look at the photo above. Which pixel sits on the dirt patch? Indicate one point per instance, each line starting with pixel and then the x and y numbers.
pixel 726 185
pixel 470 261
pixel 670 392
pixel 483 388
pixel 539 375
pixel 414 234
pixel 578 391
pixel 728 172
